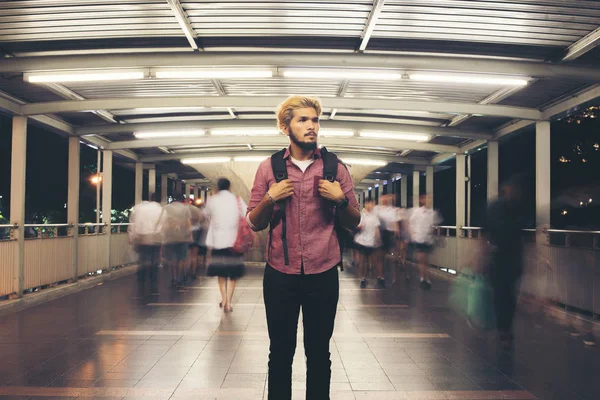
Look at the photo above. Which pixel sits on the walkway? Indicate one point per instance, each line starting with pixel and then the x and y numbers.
pixel 395 344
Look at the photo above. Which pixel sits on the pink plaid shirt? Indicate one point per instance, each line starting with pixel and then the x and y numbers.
pixel 311 236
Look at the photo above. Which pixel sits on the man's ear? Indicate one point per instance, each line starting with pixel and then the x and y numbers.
pixel 285 130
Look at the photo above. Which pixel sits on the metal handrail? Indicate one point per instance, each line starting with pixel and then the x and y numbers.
pixel 48 225
pixel 471 228
pixel 445 227
pixel 121 224
pixel 92 224
pixel 14 226
pixel 477 228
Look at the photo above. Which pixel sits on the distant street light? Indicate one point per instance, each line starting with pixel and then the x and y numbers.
pixel 96 179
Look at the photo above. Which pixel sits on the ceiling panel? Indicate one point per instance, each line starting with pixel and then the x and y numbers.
pixel 144 88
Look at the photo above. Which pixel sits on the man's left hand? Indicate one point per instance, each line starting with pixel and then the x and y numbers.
pixel 331 190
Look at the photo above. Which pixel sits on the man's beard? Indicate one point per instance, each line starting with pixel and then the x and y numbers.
pixel 302 145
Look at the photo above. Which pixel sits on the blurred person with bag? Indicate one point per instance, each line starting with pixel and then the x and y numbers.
pixel 145 236
pixel 225 211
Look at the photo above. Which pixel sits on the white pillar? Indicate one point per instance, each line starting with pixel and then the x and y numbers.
pixel 107 164
pixel 139 182
pixel 542 173
pixel 73 197
pixel 98 184
pixel 196 191
pixel 151 182
pixel 469 188
pixel 17 196
pixel 164 183
pixel 416 189
pixel 460 190
pixel 492 171
pixel 404 191
pixel 429 183
pixel 188 188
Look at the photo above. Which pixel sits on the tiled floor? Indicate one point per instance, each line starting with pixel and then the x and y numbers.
pixel 398 343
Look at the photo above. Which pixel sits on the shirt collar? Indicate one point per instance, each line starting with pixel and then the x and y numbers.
pixel 287 153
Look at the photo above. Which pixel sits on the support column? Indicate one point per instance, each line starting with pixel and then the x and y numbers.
pixel 196 191
pixel 460 191
pixel 107 164
pixel 98 184
pixel 139 182
pixel 151 182
pixel 73 198
pixel 542 173
pixel 429 183
pixel 17 197
pixel 492 171
pixel 416 183
pixel 404 191
pixel 178 191
pixel 469 189
pixel 187 189
pixel 164 184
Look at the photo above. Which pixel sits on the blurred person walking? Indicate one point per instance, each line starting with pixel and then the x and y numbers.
pixel 422 222
pixel 197 220
pixel 145 236
pixel 224 209
pixel 503 227
pixel 176 238
pixel 301 196
pixel 389 217
pixel 369 242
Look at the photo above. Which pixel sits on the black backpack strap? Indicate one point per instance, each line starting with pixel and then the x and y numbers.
pixel 279 167
pixel 330 165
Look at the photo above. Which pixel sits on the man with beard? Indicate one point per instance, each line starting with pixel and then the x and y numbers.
pixel 302 211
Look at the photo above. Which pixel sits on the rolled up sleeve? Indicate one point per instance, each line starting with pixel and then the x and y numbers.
pixel 259 189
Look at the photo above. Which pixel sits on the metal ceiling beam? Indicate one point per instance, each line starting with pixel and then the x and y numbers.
pixel 204 154
pixel 280 140
pixel 67 93
pixel 370 25
pixel 184 22
pixel 536 69
pixel 270 123
pixel 10 104
pixel 102 143
pixel 273 101
pixel 582 46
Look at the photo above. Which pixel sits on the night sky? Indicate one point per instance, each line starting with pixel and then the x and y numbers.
pixel 573 182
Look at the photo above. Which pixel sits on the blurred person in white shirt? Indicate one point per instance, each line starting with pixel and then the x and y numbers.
pixel 422 223
pixel 145 236
pixel 389 217
pixel 224 209
pixel 369 243
pixel 197 217
pixel 176 237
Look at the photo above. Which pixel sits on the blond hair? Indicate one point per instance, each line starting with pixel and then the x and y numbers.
pixel 285 111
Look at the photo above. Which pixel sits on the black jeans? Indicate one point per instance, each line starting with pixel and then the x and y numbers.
pixel 318 296
pixel 149 260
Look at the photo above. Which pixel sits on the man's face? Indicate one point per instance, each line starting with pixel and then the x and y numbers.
pixel 304 128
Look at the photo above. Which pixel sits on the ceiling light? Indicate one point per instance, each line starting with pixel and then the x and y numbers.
pixel 83 76
pixel 469 79
pixel 245 132
pixel 207 160
pixel 250 158
pixel 335 133
pixel 208 73
pixel 340 74
pixel 359 161
pixel 170 134
pixel 395 136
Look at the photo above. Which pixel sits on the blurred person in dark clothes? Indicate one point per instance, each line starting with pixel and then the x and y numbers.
pixel 503 227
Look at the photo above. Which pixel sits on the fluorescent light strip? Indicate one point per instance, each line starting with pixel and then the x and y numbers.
pixel 341 74
pixel 394 136
pixel 359 161
pixel 171 134
pixel 245 132
pixel 212 74
pixel 250 158
pixel 83 76
pixel 469 79
pixel 335 133
pixel 208 160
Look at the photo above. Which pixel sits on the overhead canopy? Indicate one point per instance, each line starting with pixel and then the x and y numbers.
pixel 404 82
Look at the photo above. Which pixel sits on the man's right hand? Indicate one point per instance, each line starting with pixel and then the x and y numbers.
pixel 281 190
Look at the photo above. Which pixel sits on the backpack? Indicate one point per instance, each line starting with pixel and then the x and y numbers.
pixel 330 166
